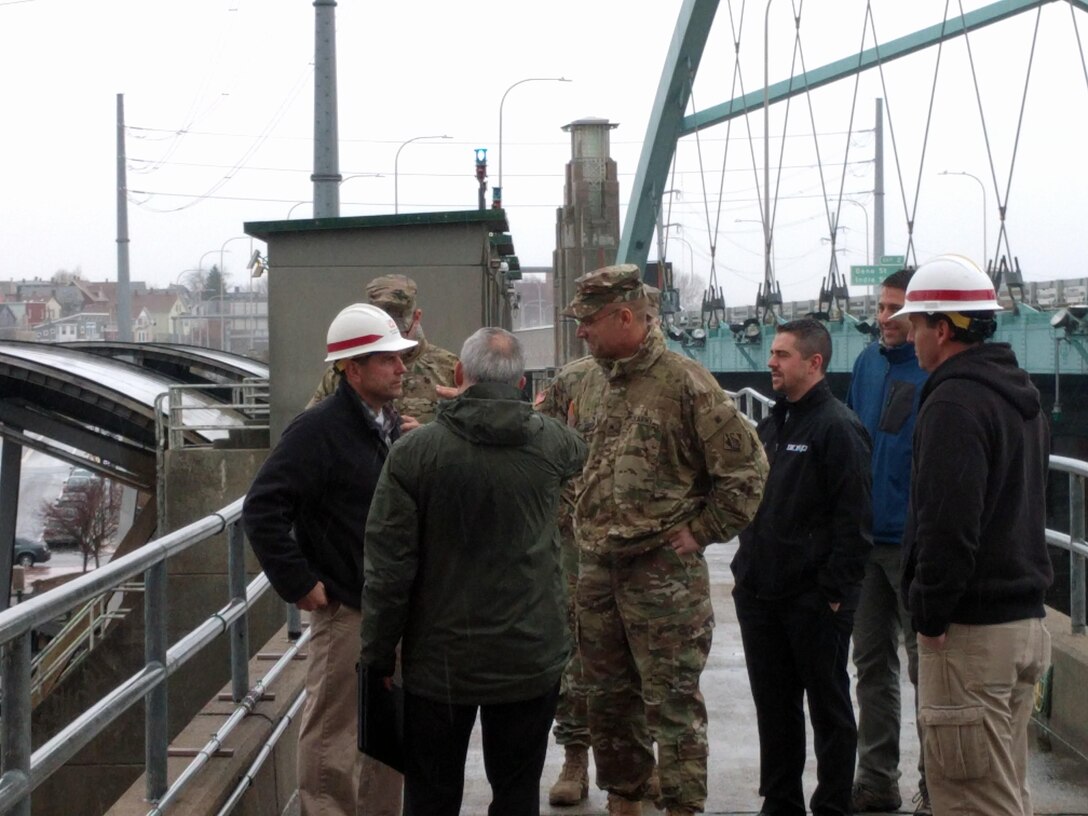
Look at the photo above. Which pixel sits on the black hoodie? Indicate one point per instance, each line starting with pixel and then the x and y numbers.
pixel 976 529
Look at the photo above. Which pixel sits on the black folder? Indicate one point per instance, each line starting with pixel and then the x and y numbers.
pixel 381 720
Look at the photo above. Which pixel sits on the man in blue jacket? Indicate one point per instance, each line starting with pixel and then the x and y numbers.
pixel 798 574
pixel 462 562
pixel 884 392
pixel 305 516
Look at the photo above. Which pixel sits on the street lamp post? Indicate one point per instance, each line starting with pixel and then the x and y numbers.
pixel 396 175
pixel 503 101
pixel 982 189
pixel 865 212
pixel 223 292
pixel 341 184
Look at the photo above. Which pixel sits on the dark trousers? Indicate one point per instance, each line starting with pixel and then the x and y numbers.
pixel 515 741
pixel 796 647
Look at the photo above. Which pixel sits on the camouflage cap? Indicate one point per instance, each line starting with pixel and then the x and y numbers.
pixel 395 294
pixel 653 296
pixel 621 283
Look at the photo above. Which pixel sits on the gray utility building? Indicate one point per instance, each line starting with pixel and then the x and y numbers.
pixel 463 262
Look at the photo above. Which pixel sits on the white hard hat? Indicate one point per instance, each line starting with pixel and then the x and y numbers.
pixel 949 283
pixel 363 329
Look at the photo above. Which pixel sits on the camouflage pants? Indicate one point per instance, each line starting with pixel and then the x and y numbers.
pixel 644 630
pixel 571 719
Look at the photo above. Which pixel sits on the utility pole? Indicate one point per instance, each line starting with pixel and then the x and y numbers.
pixel 124 290
pixel 326 176
pixel 878 183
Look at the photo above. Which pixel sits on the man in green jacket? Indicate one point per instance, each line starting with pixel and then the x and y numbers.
pixel 461 561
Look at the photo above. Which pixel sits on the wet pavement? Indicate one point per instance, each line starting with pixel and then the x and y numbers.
pixel 1059 780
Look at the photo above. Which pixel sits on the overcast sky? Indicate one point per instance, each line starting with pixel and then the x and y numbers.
pixel 219 107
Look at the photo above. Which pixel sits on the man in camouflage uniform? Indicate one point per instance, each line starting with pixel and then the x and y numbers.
pixel 428 365
pixel 672 467
pixel 571 720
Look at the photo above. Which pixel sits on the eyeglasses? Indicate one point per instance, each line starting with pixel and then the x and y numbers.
pixel 596 317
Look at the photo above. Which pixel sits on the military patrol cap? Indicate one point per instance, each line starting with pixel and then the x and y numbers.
pixel 621 283
pixel 395 294
pixel 653 296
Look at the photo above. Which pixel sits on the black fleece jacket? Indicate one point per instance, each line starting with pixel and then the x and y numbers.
pixel 814 526
pixel 305 513
pixel 975 540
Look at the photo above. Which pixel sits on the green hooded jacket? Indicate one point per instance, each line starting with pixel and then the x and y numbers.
pixel 461 556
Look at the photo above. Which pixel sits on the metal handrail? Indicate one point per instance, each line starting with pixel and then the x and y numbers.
pixel 755 406
pixel 22 770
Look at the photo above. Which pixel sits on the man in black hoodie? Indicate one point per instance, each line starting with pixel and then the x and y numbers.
pixel 977 564
pixel 798 577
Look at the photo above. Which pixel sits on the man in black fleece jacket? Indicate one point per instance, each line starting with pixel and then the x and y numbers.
pixel 976 559
pixel 305 517
pixel 798 577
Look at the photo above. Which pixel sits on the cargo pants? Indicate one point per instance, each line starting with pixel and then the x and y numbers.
pixel 645 625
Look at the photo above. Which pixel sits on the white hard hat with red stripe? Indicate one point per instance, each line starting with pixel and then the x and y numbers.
pixel 363 329
pixel 950 283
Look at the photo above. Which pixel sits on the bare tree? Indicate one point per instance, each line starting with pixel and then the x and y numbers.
pixel 89 517
pixel 692 287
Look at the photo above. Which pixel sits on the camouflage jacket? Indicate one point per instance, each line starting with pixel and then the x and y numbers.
pixel 667 447
pixel 428 365
pixel 557 401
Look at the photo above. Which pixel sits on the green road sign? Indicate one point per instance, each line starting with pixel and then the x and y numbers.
pixel 893 260
pixel 872 274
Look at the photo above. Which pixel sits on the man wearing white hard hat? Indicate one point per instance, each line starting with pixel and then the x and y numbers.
pixel 305 516
pixel 976 562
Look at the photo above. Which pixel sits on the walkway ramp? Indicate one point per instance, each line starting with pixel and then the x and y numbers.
pixel 1059 779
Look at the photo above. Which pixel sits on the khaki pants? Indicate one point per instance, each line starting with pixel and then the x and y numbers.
pixel 334 778
pixel 975 697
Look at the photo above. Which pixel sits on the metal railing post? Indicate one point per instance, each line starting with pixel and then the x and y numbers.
pixel 155 701
pixel 294 622
pixel 239 630
pixel 15 725
pixel 1076 560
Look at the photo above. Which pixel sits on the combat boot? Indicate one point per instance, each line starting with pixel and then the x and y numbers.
pixel 572 786
pixel 618 806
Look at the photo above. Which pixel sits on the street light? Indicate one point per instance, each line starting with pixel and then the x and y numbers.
pixel 396 175
pixel 340 184
pixel 982 189
pixel 503 101
pixel 866 213
pixel 691 254
pixel 223 292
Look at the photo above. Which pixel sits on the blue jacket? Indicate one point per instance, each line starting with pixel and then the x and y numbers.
pixel 884 392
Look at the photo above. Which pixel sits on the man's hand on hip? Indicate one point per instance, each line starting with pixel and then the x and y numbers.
pixel 683 542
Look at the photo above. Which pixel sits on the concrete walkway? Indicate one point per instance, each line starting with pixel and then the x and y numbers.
pixel 1059 779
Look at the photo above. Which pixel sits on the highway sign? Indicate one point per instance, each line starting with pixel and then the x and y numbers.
pixel 893 260
pixel 871 274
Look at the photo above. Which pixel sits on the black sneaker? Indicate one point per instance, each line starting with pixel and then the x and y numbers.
pixel 864 799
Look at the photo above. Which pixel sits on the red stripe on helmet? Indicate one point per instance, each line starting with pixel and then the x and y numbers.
pixel 354 342
pixel 962 295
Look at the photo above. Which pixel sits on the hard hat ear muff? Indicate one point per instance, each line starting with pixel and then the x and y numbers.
pixel 971 327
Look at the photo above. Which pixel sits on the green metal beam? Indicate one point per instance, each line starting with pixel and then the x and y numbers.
pixel 667 122
pixel 843 68
pixel 664 128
